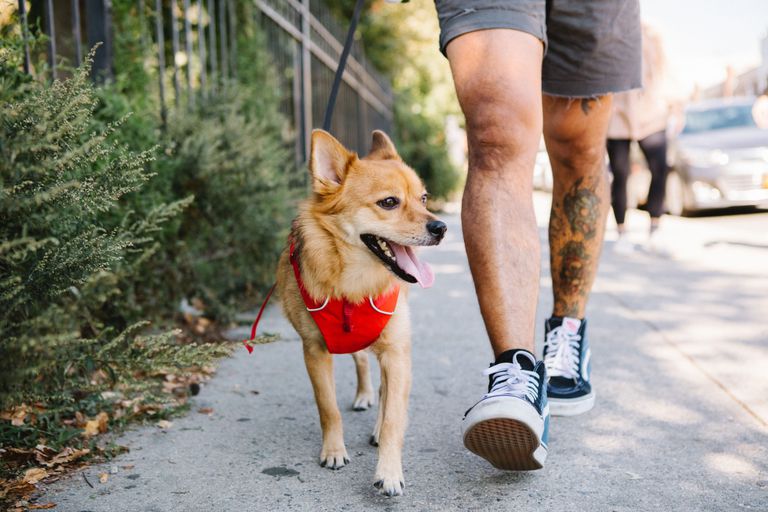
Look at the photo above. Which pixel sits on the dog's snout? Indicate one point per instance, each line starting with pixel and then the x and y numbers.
pixel 437 228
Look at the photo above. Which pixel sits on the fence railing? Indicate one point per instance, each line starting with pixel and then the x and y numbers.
pixel 195 47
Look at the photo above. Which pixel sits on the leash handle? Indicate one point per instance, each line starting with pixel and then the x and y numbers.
pixel 247 344
pixel 342 65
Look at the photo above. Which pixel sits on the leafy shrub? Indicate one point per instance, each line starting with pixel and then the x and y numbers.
pixel 230 159
pixel 64 257
pixel 421 142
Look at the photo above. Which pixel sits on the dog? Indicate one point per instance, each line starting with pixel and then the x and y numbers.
pixel 340 281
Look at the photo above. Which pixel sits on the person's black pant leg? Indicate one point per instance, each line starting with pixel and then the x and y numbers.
pixel 618 155
pixel 654 147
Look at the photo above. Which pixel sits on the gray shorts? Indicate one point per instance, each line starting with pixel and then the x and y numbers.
pixel 592 47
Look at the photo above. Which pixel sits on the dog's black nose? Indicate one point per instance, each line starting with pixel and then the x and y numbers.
pixel 437 228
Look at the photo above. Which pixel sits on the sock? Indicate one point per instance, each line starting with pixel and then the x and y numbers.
pixel 508 356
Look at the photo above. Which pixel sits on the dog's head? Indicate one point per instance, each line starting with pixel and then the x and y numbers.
pixel 376 203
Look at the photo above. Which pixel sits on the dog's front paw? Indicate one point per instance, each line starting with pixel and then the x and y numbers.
pixel 363 401
pixel 334 458
pixel 390 486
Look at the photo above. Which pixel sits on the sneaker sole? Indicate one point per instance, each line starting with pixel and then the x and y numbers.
pixel 506 443
pixel 571 406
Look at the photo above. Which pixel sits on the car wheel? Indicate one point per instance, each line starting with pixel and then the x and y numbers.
pixel 675 198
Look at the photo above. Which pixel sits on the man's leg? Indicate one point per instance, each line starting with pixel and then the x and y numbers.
pixel 498 79
pixel 574 131
pixel 497 74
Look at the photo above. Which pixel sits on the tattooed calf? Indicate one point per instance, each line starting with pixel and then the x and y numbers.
pixel 582 208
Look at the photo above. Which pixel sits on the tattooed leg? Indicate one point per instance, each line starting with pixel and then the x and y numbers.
pixel 575 136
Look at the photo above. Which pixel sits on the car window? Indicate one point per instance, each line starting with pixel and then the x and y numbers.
pixel 719 118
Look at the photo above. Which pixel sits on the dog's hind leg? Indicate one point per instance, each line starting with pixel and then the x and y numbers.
pixel 395 363
pixel 364 396
pixel 380 414
pixel 319 361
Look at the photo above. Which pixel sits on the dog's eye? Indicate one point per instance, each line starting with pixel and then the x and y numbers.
pixel 424 199
pixel 389 203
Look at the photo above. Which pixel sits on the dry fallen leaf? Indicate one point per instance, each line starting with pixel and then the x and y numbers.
pixel 17 419
pixel 128 466
pixel 34 475
pixel 15 489
pixel 16 456
pixel 91 428
pixel 96 426
pixel 103 419
pixel 103 477
pixel 205 410
pixel 164 424
pixel 41 506
pixel 65 456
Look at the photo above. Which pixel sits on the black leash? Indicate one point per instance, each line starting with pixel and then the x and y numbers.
pixel 342 65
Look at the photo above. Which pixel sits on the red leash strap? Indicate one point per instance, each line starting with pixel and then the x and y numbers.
pixel 247 343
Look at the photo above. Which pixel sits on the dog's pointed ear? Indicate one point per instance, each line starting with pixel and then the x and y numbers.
pixel 382 147
pixel 328 161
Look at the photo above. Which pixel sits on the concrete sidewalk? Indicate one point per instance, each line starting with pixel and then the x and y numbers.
pixel 679 358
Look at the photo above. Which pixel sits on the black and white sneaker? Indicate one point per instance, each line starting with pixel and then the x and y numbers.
pixel 509 426
pixel 568 359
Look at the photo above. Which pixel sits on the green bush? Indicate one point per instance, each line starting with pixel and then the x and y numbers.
pixel 230 238
pixel 110 219
pixel 64 257
pixel 421 142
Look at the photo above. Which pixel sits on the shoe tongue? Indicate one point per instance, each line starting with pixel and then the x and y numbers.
pixel 407 260
pixel 571 325
pixel 520 356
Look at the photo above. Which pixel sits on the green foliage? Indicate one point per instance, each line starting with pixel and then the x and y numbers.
pixel 227 155
pixel 67 245
pixel 110 219
pixel 401 41
pixel 421 142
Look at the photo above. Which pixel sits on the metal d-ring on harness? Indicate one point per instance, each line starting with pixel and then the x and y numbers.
pixel 326 126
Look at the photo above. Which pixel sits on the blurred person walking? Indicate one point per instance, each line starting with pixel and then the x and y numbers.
pixel 641 115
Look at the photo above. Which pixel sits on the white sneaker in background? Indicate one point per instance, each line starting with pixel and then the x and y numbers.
pixel 658 244
pixel 623 246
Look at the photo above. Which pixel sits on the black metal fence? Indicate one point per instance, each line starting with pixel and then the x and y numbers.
pixel 194 44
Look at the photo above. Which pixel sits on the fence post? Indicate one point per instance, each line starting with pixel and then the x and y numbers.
pixel 201 49
pixel 51 37
pixel 212 42
pixel 160 58
pixel 175 51
pixel 24 33
pixel 76 32
pixel 306 78
pixel 223 58
pixel 99 23
pixel 189 51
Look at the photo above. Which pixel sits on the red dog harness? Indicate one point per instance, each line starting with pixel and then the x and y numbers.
pixel 348 327
pixel 345 326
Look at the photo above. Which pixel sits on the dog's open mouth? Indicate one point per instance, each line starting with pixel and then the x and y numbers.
pixel 401 260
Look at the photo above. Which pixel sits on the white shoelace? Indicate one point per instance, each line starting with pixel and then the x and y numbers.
pixel 562 359
pixel 511 379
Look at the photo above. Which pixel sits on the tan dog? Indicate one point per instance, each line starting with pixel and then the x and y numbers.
pixel 352 240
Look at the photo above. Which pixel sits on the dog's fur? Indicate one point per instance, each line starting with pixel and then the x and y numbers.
pixel 335 262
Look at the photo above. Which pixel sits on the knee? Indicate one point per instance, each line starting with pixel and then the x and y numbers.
pixel 576 134
pixel 579 154
pixel 502 128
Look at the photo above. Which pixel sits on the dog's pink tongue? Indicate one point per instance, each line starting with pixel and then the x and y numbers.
pixel 407 260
